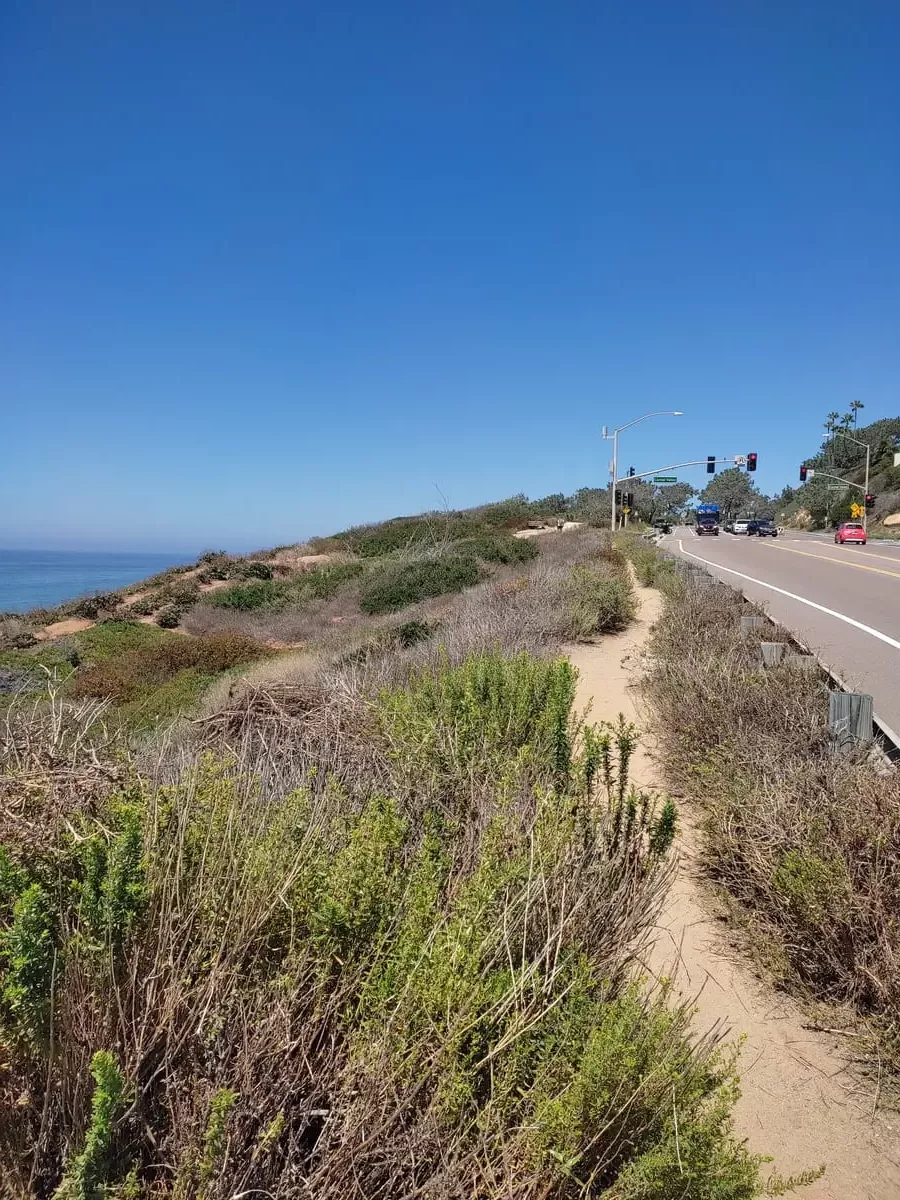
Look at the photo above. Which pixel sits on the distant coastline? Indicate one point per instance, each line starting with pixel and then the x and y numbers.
pixel 44 578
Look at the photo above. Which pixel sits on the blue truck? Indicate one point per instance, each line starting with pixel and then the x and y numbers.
pixel 707 520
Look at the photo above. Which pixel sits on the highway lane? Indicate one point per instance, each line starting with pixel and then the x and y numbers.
pixel 842 601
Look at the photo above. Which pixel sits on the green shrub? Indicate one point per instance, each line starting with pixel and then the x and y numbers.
pixel 134 674
pixel 169 617
pixel 294 592
pixel 114 638
pixel 22 641
pixel 145 607
pixel 112 889
pixel 28 954
pixel 398 584
pixel 450 721
pixel 596 603
pixel 91 607
pixel 816 890
pixel 246 597
pixel 214 1136
pixel 254 570
pixel 86 1177
pixel 410 633
pixel 499 548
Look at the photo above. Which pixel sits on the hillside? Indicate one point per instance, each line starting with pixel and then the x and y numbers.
pixel 821 502
pixel 153 650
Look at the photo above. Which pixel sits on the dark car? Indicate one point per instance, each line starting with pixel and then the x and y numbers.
pixel 763 528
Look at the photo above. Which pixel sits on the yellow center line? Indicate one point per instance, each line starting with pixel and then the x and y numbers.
pixel 839 562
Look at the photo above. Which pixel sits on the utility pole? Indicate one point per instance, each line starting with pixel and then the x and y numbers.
pixel 868 448
pixel 614 437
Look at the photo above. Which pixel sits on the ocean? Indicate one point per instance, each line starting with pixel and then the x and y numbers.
pixel 44 578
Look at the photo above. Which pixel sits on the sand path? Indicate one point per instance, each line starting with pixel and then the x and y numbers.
pixel 799 1103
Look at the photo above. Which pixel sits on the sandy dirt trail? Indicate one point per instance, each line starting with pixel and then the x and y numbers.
pixel 799 1102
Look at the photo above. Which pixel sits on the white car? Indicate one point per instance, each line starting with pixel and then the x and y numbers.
pixel 740 526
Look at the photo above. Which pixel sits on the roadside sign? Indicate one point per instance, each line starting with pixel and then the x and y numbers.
pixel 740 460
pixel 856 510
pixel 665 478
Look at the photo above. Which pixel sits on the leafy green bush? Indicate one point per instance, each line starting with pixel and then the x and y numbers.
pixel 253 569
pixel 91 607
pixel 85 1177
pixel 499 548
pixel 395 585
pixel 169 617
pixel 28 955
pixel 497 708
pixel 295 592
pixel 246 597
pixel 145 607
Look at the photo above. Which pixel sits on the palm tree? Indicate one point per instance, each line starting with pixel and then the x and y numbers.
pixel 855 406
pixel 830 425
pixel 847 420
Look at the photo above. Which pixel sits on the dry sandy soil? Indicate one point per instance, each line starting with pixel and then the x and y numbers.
pixel 63 628
pixel 800 1102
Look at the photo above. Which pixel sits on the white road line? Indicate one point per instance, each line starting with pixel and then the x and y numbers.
pixel 876 633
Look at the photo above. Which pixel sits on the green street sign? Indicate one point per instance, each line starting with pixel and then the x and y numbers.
pixel 665 478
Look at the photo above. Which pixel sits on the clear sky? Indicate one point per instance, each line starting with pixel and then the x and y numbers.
pixel 271 268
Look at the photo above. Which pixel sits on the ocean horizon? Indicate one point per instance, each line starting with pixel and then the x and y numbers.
pixel 44 578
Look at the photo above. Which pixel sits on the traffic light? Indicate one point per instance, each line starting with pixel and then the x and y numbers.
pixel 618 497
pixel 630 471
pixel 870 500
pixel 803 474
pixel 711 464
pixel 629 500
pixel 751 462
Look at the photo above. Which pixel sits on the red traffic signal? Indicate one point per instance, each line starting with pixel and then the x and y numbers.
pixel 751 462
pixel 870 500
pixel 803 474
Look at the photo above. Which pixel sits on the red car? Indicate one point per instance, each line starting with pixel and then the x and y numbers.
pixel 850 531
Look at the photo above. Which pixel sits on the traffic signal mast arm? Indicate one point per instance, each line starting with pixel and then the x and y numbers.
pixel 700 462
pixel 811 471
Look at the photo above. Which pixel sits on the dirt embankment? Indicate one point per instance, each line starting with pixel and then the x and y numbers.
pixel 800 1101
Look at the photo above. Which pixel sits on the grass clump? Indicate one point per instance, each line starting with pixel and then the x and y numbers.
pixel 395 585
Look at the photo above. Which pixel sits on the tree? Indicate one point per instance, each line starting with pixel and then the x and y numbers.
pixel 591 505
pixel 552 505
pixel 855 406
pixel 733 491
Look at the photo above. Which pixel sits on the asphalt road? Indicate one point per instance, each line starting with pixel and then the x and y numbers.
pixel 842 601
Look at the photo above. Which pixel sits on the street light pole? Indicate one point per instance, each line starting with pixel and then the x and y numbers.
pixel 840 433
pixel 666 412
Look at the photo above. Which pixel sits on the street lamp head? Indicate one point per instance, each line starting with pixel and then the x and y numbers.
pixel 677 413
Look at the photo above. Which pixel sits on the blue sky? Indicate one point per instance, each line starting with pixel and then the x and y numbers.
pixel 273 268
